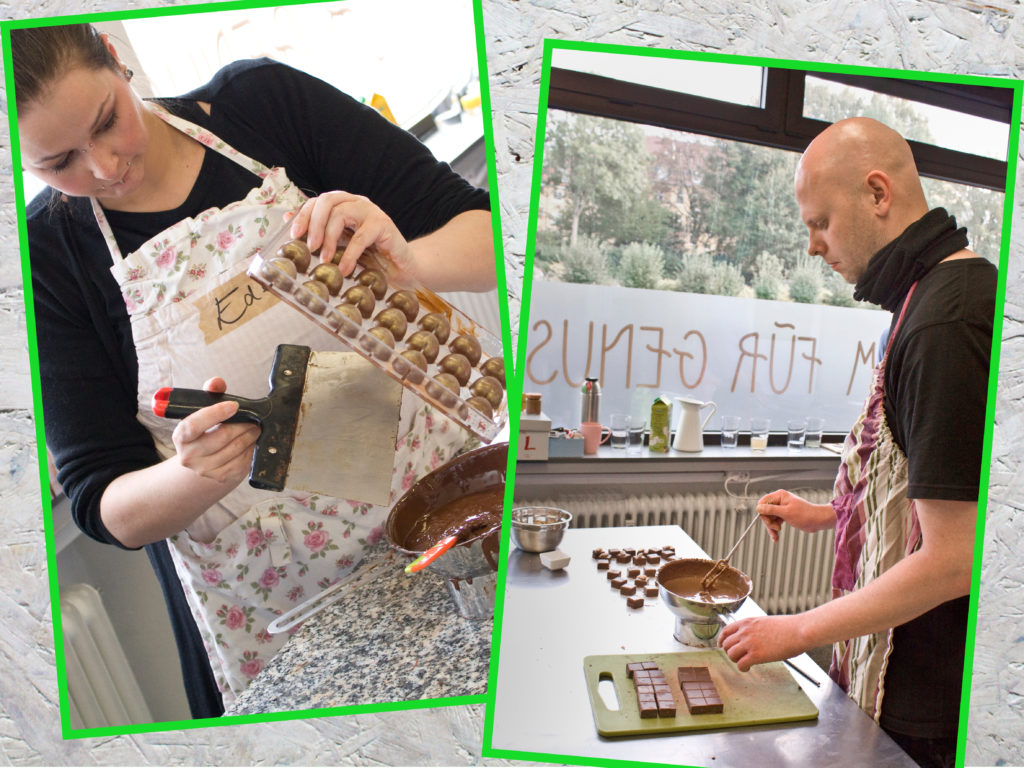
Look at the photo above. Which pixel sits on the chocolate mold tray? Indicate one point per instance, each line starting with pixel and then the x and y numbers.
pixel 415 336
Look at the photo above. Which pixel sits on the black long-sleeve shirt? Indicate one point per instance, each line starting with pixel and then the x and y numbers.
pixel 270 112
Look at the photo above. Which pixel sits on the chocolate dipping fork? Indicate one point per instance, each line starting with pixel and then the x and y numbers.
pixel 720 565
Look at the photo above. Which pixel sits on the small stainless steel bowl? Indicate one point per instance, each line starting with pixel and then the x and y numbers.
pixel 539 529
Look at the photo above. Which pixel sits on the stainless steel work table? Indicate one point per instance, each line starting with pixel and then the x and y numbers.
pixel 552 620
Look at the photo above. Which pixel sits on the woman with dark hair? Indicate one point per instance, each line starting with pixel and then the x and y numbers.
pixel 154 205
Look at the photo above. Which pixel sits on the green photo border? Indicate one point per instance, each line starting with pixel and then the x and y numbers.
pixel 51 558
pixel 551 45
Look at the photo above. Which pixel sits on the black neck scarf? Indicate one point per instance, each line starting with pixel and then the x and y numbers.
pixel 897 266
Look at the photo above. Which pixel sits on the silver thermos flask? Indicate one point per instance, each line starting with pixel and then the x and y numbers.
pixel 591 401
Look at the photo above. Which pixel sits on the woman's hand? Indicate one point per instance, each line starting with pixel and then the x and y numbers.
pixel 323 219
pixel 212 449
pixel 781 506
pixel 458 256
pixel 163 499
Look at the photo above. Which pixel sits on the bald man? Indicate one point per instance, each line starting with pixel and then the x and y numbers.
pixel 906 498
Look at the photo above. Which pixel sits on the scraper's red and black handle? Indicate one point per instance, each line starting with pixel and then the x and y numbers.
pixel 177 403
pixel 277 414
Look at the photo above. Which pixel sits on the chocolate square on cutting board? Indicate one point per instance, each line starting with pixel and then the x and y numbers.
pixel 632 667
pixel 699 691
pixel 648 707
pixel 666 706
pixel 654 696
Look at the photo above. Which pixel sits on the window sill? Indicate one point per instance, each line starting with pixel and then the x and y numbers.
pixel 706 470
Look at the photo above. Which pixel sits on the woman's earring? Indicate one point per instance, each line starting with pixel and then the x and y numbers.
pixel 128 74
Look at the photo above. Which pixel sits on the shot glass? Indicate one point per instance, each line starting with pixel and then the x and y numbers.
pixel 635 445
pixel 759 434
pixel 730 431
pixel 815 425
pixel 796 430
pixel 619 425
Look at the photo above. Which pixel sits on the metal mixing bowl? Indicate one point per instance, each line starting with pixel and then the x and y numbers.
pixel 470 566
pixel 700 617
pixel 539 529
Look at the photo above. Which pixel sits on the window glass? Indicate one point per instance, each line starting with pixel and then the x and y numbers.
pixel 355 45
pixel 671 263
pixel 827 100
pixel 646 207
pixel 978 209
pixel 736 83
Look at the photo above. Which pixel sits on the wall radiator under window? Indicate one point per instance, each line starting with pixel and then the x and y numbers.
pixel 791 576
pixel 102 689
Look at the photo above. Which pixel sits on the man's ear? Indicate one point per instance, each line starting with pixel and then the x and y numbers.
pixel 880 186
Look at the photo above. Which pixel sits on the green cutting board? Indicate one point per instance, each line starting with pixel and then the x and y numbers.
pixel 766 694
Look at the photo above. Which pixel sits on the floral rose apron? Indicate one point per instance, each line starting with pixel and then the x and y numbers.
pixel 876 527
pixel 195 314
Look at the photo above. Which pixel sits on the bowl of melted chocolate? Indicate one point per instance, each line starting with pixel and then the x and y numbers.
pixel 700 612
pixel 464 498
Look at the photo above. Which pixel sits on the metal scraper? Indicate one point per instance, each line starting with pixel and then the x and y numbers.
pixel 329 424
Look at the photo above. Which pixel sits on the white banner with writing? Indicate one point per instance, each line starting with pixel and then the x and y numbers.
pixel 751 357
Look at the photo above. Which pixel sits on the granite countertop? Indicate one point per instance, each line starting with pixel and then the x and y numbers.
pixel 389 638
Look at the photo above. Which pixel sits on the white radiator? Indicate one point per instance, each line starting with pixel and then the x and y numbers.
pixel 791 576
pixel 102 689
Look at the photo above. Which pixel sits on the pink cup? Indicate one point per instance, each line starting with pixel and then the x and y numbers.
pixel 593 435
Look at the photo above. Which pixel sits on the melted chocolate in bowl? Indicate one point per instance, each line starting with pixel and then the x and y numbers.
pixel 467 518
pixel 463 498
pixel 683 579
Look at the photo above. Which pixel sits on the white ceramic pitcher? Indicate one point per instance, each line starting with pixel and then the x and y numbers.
pixel 690 432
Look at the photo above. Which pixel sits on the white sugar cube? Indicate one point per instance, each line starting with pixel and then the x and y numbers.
pixel 555 560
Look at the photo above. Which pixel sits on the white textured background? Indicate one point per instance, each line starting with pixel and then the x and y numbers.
pixel 956 36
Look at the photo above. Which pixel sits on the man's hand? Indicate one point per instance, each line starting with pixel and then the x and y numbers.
pixel 780 507
pixel 762 639
pixel 938 571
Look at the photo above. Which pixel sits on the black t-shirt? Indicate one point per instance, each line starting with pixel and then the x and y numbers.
pixel 936 382
pixel 87 364
pixel 936 387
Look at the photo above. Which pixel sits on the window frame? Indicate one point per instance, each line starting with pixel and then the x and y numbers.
pixel 780 122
